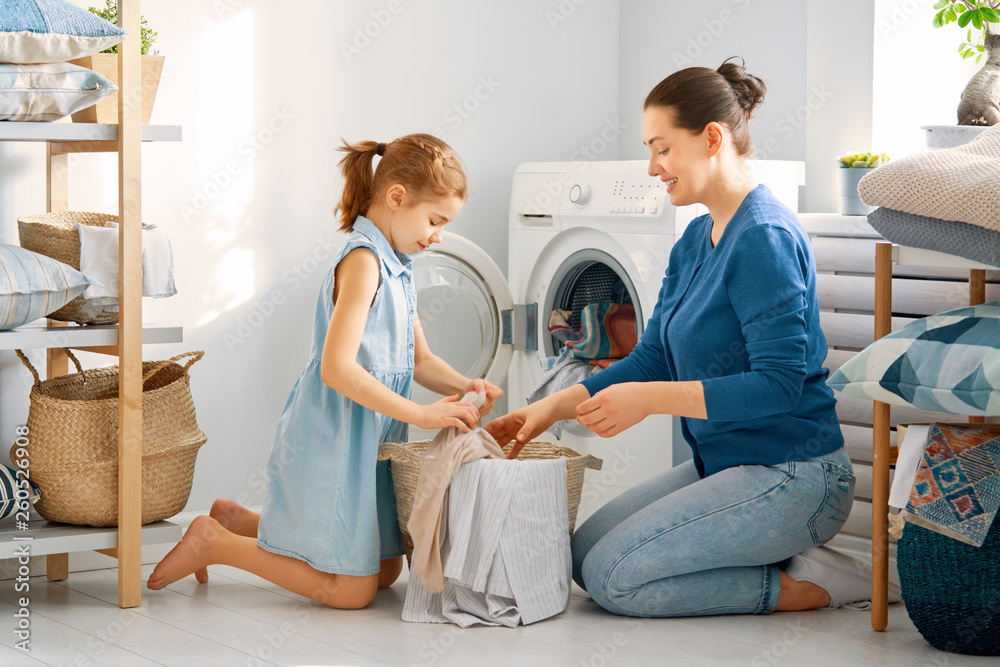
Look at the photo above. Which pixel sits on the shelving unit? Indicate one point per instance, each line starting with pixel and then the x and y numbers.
pixel 887 254
pixel 125 340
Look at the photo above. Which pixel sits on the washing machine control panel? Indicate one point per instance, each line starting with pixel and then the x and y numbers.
pixel 636 198
pixel 619 197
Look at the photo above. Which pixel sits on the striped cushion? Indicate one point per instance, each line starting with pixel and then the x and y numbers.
pixel 9 485
pixel 49 91
pixel 33 285
pixel 49 31
pixel 948 362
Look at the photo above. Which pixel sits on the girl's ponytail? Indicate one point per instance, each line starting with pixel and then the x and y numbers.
pixel 425 165
pixel 359 181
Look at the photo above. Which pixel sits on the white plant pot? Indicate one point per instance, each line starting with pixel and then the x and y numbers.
pixel 948 136
pixel 850 201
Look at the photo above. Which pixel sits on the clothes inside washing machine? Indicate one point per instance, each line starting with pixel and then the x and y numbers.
pixel 592 324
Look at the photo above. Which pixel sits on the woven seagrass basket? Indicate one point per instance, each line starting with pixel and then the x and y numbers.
pixel 73 448
pixel 952 589
pixel 406 459
pixel 52 235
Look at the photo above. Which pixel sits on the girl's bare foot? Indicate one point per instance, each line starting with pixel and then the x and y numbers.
pixel 191 554
pixel 236 519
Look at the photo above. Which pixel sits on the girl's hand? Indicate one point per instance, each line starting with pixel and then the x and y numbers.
pixel 492 392
pixel 612 410
pixel 447 412
pixel 521 426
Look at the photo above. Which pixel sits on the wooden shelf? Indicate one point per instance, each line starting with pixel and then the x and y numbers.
pixel 81 132
pixel 58 538
pixel 39 334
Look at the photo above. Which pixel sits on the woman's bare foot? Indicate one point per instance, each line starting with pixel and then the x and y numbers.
pixel 236 519
pixel 192 553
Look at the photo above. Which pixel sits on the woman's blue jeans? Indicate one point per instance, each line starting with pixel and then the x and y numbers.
pixel 680 545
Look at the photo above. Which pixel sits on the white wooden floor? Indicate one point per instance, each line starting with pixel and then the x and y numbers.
pixel 239 619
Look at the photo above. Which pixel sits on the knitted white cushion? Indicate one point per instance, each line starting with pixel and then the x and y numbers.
pixel 960 183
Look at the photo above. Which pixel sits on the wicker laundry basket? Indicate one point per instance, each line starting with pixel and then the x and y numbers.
pixel 73 448
pixel 951 589
pixel 52 235
pixel 406 458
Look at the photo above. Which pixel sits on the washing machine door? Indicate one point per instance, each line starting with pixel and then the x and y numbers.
pixel 462 298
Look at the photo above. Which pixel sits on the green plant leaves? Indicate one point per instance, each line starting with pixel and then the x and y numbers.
pixel 862 160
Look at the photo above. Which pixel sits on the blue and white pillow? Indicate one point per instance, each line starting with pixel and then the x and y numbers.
pixel 49 91
pixel 33 285
pixel 52 31
pixel 13 493
pixel 948 362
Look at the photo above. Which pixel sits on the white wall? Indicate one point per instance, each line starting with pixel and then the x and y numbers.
pixel 264 92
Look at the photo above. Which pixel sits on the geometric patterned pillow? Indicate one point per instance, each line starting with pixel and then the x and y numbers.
pixel 948 362
pixel 33 285
pixel 49 91
pixel 956 491
pixel 13 493
pixel 52 31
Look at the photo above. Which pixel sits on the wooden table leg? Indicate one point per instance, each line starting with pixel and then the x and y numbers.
pixel 57 567
pixel 880 461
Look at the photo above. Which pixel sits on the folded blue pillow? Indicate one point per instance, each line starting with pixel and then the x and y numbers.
pixel 33 285
pixel 51 31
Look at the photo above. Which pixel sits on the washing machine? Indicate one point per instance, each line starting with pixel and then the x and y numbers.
pixel 579 233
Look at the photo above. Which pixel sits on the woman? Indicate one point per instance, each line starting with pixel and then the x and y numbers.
pixel 734 348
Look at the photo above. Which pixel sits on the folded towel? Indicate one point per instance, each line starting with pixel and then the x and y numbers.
pixel 957 183
pixel 99 262
pixel 949 236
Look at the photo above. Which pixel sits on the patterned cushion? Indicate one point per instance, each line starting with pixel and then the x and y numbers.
pixel 9 496
pixel 33 285
pixel 49 91
pixel 50 31
pixel 948 362
pixel 957 488
pixel 950 236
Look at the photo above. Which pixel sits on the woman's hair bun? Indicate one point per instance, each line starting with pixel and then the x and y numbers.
pixel 749 89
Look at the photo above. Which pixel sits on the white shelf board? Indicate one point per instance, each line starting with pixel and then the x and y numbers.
pixel 910 256
pixel 835 224
pixel 15 131
pixel 39 334
pixel 59 538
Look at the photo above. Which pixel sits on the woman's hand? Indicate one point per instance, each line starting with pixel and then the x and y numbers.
pixel 449 411
pixel 520 426
pixel 614 409
pixel 492 392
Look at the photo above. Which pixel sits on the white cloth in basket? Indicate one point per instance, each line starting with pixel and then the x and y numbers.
pixel 99 262
pixel 505 549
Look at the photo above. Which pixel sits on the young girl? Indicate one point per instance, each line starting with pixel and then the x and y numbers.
pixel 329 529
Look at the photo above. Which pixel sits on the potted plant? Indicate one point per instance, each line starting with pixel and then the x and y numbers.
pixel 106 63
pixel 854 167
pixel 980 101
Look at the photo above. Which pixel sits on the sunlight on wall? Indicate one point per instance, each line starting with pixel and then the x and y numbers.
pixel 915 62
pixel 224 162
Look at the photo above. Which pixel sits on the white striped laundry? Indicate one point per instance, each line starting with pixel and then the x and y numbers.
pixel 505 549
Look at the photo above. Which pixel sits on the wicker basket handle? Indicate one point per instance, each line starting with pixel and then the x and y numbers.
pixel 34 373
pixel 194 354
pixel 593 462
pixel 386 450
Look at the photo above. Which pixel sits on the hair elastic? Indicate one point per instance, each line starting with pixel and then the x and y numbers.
pixel 380 149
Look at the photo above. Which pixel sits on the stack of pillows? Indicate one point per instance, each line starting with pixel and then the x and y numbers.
pixel 37 37
pixel 949 201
